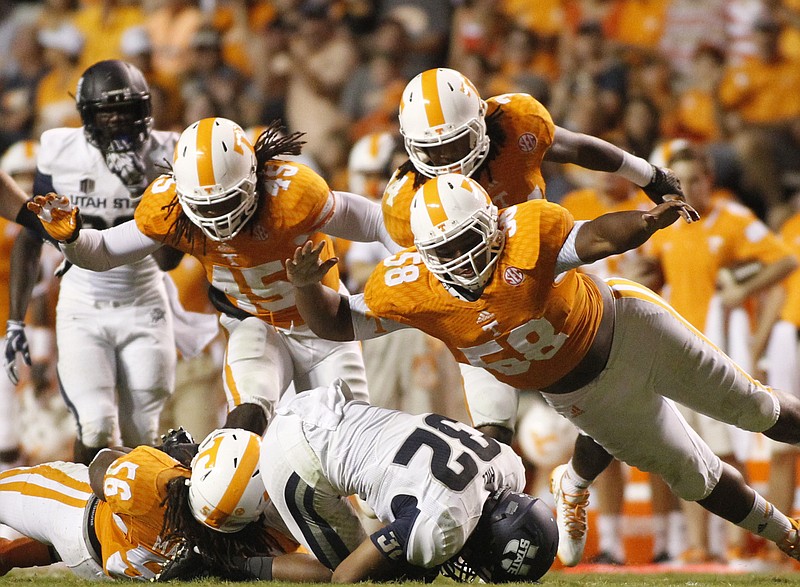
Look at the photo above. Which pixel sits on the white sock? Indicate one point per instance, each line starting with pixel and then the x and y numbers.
pixel 572 482
pixel 660 534
pixel 718 537
pixel 766 520
pixel 676 534
pixel 609 529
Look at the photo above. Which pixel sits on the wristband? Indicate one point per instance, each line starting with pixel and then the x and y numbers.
pixel 636 169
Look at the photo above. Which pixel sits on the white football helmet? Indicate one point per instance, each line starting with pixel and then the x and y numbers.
pixel 226 491
pixel 665 150
pixel 215 177
pixel 369 165
pixel 440 106
pixel 455 230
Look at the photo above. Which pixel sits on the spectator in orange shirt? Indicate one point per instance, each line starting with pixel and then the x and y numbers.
pixel 55 106
pixel 759 98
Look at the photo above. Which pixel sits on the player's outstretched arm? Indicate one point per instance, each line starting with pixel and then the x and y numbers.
pixel 325 311
pixel 600 155
pixel 617 232
pixel 12 198
pixel 98 250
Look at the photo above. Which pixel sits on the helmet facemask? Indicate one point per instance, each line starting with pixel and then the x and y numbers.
pixel 465 254
pixel 220 214
pixel 419 149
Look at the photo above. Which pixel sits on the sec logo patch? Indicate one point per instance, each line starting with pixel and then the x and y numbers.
pixel 513 276
pixel 526 142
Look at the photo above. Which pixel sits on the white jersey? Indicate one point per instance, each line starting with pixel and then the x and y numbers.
pixel 77 170
pixel 426 476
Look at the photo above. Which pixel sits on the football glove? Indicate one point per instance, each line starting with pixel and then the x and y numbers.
pixel 180 445
pixel 664 182
pixel 16 342
pixel 59 218
pixel 666 186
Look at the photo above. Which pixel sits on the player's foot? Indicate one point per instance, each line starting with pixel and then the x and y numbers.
pixel 661 558
pixel 791 542
pixel 606 558
pixel 570 518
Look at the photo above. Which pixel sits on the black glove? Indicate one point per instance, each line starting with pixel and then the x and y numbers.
pixel 185 565
pixel 663 183
pixel 16 342
pixel 180 445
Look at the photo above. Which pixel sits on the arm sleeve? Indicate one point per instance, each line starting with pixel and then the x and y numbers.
pixel 568 257
pixel 101 250
pixel 367 325
pixel 356 218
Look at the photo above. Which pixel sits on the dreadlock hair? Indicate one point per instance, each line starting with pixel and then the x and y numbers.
pixel 219 548
pixel 497 138
pixel 271 143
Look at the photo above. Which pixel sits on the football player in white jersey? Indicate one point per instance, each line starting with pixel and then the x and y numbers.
pixel 116 349
pixel 449 495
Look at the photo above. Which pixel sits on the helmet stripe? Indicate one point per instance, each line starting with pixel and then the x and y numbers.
pixel 433 203
pixel 430 97
pixel 374 144
pixel 205 163
pixel 238 484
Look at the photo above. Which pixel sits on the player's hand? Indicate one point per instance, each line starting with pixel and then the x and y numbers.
pixel 59 218
pixel 305 267
pixel 16 342
pixel 667 213
pixel 666 186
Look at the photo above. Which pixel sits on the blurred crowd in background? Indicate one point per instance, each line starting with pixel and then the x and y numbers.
pixel 636 72
pixel 724 74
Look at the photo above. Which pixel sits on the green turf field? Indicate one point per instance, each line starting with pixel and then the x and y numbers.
pixel 42 578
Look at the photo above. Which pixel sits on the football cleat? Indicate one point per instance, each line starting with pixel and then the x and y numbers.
pixel 570 518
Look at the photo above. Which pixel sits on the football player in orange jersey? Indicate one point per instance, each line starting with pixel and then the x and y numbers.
pixel 125 515
pixel 502 291
pixel 500 143
pixel 241 210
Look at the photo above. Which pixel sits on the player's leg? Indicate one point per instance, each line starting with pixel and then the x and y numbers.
pixel 257 371
pixel 492 405
pixel 146 371
pixel 87 374
pixel 47 503
pixel 318 362
pixel 316 515
pixel 10 454
pixel 647 430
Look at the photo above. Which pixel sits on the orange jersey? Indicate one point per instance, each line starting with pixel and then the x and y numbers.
pixel 513 176
pixel 129 522
pixel 691 255
pixel 526 329
pixel 249 268
pixel 790 231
